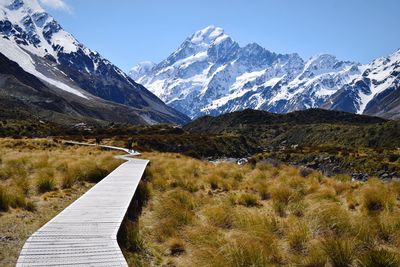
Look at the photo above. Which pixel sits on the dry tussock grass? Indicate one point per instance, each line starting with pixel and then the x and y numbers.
pixel 266 215
pixel 38 178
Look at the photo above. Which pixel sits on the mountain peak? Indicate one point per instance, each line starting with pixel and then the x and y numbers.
pixel 29 6
pixel 321 61
pixel 17 10
pixel 141 69
pixel 44 36
pixel 209 35
pixel 70 76
pixel 395 55
pixel 322 57
pixel 211 74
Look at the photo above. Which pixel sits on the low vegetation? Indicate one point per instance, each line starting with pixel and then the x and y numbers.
pixel 265 214
pixel 201 213
pixel 330 141
pixel 333 160
pixel 39 178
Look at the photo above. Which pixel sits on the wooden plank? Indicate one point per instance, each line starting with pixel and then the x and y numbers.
pixel 85 233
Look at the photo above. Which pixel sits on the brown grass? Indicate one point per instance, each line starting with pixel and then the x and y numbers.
pixel 264 215
pixel 376 197
pixel 39 178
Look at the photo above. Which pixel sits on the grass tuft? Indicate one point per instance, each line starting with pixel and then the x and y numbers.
pixel 281 195
pixel 176 246
pixel 45 182
pixel 376 198
pixel 330 218
pixel 5 199
pixel 220 216
pixel 340 252
pixel 174 210
pixel 248 200
pixel 131 236
pixel 298 237
pixel 380 258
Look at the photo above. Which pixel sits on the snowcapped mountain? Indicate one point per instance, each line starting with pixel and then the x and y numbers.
pixel 211 74
pixel 375 92
pixel 35 41
pixel 141 69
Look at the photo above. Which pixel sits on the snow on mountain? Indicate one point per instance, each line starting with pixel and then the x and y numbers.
pixel 16 54
pixel 32 38
pixel 379 72
pixel 141 69
pixel 211 74
pixel 375 92
pixel 25 24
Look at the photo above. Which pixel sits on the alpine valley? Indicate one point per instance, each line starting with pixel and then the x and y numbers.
pixel 211 74
pixel 46 74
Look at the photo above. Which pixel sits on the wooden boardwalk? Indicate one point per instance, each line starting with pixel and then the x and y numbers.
pixel 85 233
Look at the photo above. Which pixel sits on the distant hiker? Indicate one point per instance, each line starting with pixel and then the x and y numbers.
pixel 98 140
pixel 129 146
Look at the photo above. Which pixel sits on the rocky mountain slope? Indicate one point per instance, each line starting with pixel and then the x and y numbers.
pixel 69 78
pixel 375 92
pixel 211 74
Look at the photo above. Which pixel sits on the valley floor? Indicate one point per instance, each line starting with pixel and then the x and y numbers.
pixel 191 212
pixel 263 214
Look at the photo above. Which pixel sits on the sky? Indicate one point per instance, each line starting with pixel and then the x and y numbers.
pixel 130 31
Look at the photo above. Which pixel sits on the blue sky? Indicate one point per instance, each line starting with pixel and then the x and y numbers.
pixel 129 31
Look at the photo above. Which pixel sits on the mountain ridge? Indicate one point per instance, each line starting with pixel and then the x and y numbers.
pixel 40 46
pixel 249 117
pixel 211 74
